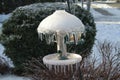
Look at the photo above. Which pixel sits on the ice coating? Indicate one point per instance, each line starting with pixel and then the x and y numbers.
pixel 52 62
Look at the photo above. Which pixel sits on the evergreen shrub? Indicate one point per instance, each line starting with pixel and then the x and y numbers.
pixel 7 6
pixel 20 38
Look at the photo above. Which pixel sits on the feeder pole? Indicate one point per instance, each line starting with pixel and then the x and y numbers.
pixel 61 46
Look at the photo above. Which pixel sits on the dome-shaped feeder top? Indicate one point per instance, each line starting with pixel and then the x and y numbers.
pixel 61 21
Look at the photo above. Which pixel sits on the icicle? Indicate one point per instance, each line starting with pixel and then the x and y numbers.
pixel 50 67
pixel 65 39
pixel 76 65
pixel 76 38
pixel 79 36
pixel 68 67
pixel 40 36
pixel 68 37
pixel 84 34
pixel 64 69
pixel 73 77
pixel 48 38
pixel 61 68
pixel 51 38
pixel 53 35
pixel 46 65
pixel 55 68
pixel 71 38
pixel 58 68
pixel 71 68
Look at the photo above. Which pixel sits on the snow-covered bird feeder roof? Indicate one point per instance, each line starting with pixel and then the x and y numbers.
pixel 61 21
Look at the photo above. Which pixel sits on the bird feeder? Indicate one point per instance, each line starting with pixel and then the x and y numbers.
pixel 63 28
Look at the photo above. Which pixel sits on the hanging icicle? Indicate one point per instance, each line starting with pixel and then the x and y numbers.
pixel 58 68
pixel 64 69
pixel 55 69
pixel 69 38
pixel 71 66
pixel 50 67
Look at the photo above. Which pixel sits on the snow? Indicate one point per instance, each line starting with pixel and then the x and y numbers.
pixel 106 32
pixel 95 14
pixel 108 28
pixel 109 32
pixel 114 11
pixel 40 6
pixel 52 61
pixel 61 21
pixel 3 17
pixel 12 77
pixel 108 8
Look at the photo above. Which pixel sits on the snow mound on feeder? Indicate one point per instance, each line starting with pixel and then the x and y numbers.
pixel 61 21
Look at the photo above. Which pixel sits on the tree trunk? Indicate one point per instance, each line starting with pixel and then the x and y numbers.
pixel 88 5
pixel 68 2
pixel 82 3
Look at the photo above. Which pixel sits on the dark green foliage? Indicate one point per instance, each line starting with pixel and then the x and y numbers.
pixel 20 37
pixel 7 6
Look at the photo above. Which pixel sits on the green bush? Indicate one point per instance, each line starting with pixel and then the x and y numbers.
pixel 20 38
pixel 7 6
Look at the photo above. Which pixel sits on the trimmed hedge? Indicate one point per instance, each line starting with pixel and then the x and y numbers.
pixel 20 38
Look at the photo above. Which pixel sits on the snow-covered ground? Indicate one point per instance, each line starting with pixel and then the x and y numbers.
pixel 109 32
pixel 99 17
pixel 106 32
pixel 4 17
pixel 12 77
pixel 108 28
